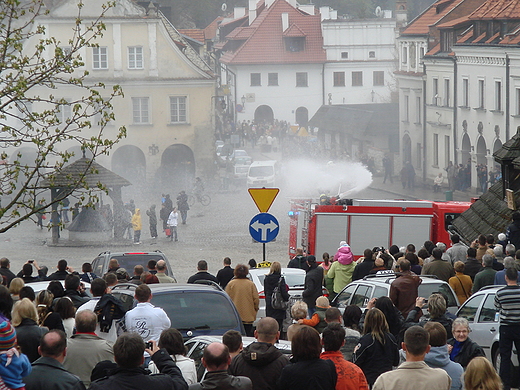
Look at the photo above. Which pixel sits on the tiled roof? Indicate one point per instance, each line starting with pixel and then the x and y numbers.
pixel 294 31
pixel 210 32
pixel 91 172
pixel 497 9
pixel 434 50
pixel 194 33
pixel 241 33
pixel 453 22
pixel 430 17
pixel 466 36
pixel 266 43
pixel 480 37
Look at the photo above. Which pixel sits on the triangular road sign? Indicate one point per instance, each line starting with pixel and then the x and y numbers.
pixel 263 197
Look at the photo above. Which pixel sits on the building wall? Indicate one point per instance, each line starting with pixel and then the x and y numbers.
pixel 166 73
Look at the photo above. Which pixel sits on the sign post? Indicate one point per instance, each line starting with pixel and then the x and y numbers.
pixel 263 227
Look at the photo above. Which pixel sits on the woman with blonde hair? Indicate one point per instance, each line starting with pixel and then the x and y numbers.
pixel 377 351
pixel 15 287
pixel 272 279
pixel 480 375
pixel 46 317
pixel 28 332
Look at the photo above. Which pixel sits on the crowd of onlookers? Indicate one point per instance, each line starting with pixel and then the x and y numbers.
pixel 63 338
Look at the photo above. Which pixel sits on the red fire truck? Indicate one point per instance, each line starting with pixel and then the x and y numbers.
pixel 319 228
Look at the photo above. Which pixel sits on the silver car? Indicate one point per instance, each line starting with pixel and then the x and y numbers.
pixel 483 320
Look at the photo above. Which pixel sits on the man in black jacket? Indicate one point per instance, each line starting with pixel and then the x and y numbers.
pixel 225 274
pixel 261 361
pixel 298 261
pixel 129 375
pixel 313 284
pixel 202 273
pixel 363 268
pixel 75 290
pixel 6 273
pixel 48 371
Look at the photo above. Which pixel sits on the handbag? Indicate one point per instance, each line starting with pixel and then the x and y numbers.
pixel 277 301
pixel 168 232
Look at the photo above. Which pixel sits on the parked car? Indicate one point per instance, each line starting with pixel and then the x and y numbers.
pixel 193 309
pixel 294 278
pixel 39 286
pixel 361 291
pixel 479 310
pixel 241 167
pixel 195 347
pixel 128 260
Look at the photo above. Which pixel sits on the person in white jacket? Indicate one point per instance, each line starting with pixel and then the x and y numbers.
pixel 171 340
pixel 173 221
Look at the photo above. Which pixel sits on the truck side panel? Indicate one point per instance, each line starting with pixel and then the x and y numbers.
pixel 411 230
pixel 330 230
pixel 368 231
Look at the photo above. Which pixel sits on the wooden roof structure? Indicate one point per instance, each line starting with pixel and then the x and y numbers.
pixel 490 214
pixel 87 171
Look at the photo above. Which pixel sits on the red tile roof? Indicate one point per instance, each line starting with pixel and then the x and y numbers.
pixel 266 43
pixel 466 36
pixel 430 17
pixel 294 31
pixel 497 9
pixel 453 22
pixel 194 33
pixel 210 32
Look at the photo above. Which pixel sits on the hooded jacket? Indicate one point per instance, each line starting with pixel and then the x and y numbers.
pixel 341 271
pixel 136 220
pixel 438 357
pixel 262 362
pixel 298 262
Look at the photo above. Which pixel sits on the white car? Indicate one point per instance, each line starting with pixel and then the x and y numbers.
pixel 294 278
pixel 39 286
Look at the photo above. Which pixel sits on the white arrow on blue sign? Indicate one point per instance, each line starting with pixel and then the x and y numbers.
pixel 263 227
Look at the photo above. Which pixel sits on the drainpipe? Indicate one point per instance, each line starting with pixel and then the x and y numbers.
pixel 455 105
pixel 323 84
pixel 507 96
pixel 424 124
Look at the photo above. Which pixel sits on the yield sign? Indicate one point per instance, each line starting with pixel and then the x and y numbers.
pixel 263 197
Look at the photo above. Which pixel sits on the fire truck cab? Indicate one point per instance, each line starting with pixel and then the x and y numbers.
pixel 319 228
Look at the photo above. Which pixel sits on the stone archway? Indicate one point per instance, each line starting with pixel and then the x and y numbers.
pixel 302 116
pixel 177 169
pixel 129 162
pixel 264 114
pixel 407 148
pixel 481 151
pixel 497 145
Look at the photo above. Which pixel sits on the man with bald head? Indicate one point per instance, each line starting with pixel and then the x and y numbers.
pixel 48 371
pixel 261 361
pixel 161 273
pixel 216 359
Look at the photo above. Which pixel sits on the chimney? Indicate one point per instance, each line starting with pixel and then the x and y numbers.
pixel 238 12
pixel 285 21
pixel 252 11
pixel 334 14
pixel 325 13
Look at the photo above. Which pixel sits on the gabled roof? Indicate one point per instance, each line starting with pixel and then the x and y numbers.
pixel 210 32
pixel 265 40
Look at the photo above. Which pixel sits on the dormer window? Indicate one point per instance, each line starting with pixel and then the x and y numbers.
pixel 294 44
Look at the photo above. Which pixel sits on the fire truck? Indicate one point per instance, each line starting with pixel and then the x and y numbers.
pixel 318 228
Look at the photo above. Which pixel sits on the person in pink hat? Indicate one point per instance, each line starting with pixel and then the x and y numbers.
pixel 341 270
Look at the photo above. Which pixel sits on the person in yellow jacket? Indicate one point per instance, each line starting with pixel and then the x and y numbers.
pixel 137 225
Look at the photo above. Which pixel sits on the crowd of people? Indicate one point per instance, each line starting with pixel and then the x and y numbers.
pixel 63 336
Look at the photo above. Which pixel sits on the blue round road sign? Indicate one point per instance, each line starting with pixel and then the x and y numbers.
pixel 263 227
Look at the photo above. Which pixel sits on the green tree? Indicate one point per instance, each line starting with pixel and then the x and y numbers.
pixel 33 67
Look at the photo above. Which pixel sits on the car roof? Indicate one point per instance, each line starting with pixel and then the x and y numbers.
pixel 280 344
pixel 42 285
pixel 286 271
pixel 168 287
pixel 156 252
pixel 389 278
pixel 263 163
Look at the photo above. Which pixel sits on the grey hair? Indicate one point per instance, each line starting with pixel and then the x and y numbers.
pixel 460 321
pixel 510 249
pixel 509 262
pixel 498 250
pixel 441 246
pixel 487 260
pixel 299 310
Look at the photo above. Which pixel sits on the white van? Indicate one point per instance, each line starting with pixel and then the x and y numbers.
pixel 262 174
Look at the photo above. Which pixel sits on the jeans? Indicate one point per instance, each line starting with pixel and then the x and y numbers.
pixel 509 334
pixel 184 216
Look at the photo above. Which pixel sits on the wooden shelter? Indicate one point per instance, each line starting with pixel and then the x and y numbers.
pixel 87 174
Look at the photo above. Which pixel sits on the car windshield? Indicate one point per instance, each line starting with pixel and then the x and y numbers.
pixel 129 261
pixel 292 280
pixel 196 310
pixel 427 289
pixel 261 171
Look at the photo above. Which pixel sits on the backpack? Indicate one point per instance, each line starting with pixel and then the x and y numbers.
pixel 277 301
